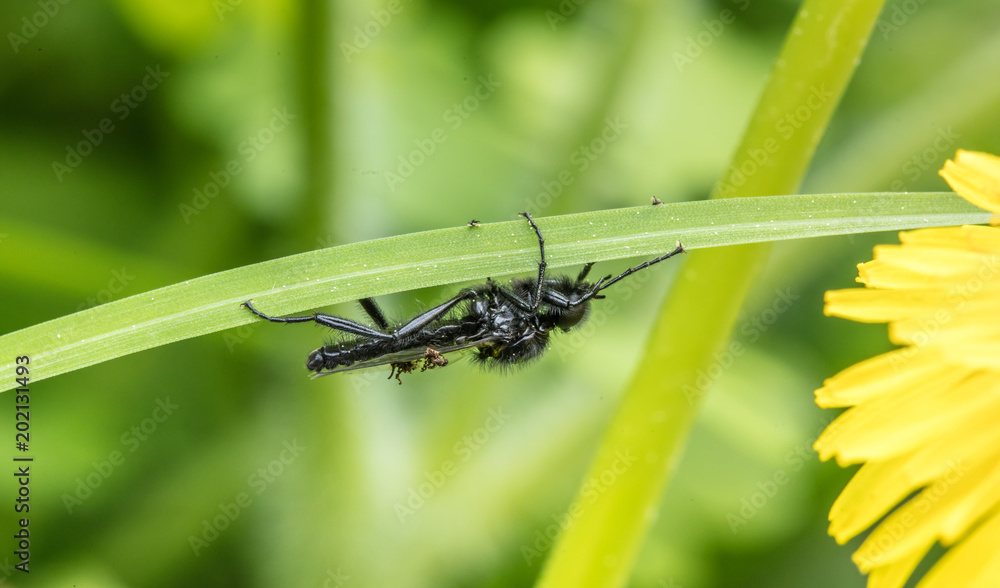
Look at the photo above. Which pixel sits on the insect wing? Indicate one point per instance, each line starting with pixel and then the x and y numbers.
pixel 405 356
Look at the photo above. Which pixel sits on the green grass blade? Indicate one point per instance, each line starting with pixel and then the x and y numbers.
pixel 328 276
pixel 646 436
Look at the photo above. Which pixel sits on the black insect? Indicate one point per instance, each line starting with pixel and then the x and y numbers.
pixel 505 325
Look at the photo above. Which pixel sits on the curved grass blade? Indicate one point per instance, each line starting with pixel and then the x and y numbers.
pixel 327 276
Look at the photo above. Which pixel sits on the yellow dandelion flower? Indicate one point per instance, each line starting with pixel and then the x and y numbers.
pixel 976 177
pixel 925 419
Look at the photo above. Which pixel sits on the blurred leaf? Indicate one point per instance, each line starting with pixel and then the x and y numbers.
pixel 821 51
pixel 59 262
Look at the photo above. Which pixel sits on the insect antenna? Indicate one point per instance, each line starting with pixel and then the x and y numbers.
pixel 607 281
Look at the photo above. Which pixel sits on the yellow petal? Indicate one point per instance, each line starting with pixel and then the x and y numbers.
pixel 942 262
pixel 981 498
pixel 976 177
pixel 895 574
pixel 879 306
pixel 880 375
pixel 881 274
pixel 983 239
pixel 873 491
pixel 965 332
pixel 952 237
pixel 895 423
pixel 899 545
pixel 928 516
pixel 880 485
pixel 973 563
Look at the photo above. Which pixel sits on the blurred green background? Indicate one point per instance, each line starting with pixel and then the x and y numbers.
pixel 145 143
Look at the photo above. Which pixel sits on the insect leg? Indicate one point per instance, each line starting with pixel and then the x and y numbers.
pixel 333 322
pixel 375 312
pixel 541 264
pixel 348 326
pixel 422 320
pixel 607 281
pixel 556 299
pixel 584 272
pixel 274 319
pixel 514 299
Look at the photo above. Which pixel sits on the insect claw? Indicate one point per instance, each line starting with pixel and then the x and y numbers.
pixel 598 286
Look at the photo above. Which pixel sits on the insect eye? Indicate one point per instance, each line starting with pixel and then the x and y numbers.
pixel 315 360
pixel 570 317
